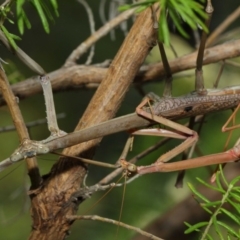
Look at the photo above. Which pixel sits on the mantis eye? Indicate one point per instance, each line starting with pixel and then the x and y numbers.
pixel 131 170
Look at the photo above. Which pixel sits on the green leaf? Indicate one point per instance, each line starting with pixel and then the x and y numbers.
pixel 236 189
pixel 235 180
pixel 9 37
pixel 211 186
pixel 199 195
pixel 207 210
pixel 38 6
pixel 195 227
pixel 209 237
pixel 218 181
pixel 15 37
pixel 47 11
pixel 55 7
pixel 141 8
pixel 9 20
pixel 230 215
pixel 164 32
pixel 222 175
pixel 19 11
pixel 236 206
pixel 229 229
pixel 124 7
pixel 234 196
pixel 211 204
pixel 175 19
pixel 188 10
pixel 137 4
pixel 26 21
pixel 215 224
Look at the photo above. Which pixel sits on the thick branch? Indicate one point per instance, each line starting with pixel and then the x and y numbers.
pixel 90 76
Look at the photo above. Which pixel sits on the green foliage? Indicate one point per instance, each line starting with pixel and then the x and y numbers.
pixel 231 195
pixel 43 8
pixel 44 12
pixel 188 11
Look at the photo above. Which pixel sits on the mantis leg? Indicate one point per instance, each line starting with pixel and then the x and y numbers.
pixel 225 128
pixel 179 131
pixel 190 138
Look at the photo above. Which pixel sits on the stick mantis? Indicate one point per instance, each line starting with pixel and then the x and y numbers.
pixel 171 108
pixel 185 106
pixel 165 108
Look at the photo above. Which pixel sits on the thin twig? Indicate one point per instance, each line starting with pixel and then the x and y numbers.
pixel 92 28
pixel 18 120
pixel 78 76
pixel 232 63
pixel 121 224
pixel 34 66
pixel 144 153
pixel 227 21
pixel 102 11
pixel 31 124
pixel 83 47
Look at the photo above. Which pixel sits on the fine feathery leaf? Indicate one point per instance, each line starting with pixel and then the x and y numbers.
pixel 38 6
pixel 55 7
pixel 10 37
pixel 196 193
pixel 236 189
pixel 219 182
pixel 222 175
pixel 175 17
pixel 195 227
pixel 235 196
pixel 230 215
pixel 229 229
pixel 146 4
pixel 188 11
pixel 26 21
pixel 217 229
pixel 47 12
pixel 235 180
pixel 209 237
pixel 211 204
pixel 163 31
pixel 206 209
pixel 236 206
pixel 211 186
pixel 19 11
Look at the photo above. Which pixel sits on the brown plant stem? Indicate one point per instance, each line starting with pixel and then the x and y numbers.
pixel 18 121
pixel 90 76
pixel 104 30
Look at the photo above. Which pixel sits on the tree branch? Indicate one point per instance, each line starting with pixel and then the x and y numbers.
pixel 90 76
pixel 18 121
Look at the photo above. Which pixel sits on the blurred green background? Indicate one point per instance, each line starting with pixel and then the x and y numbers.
pixel 148 196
